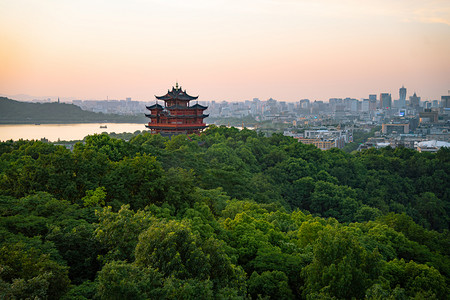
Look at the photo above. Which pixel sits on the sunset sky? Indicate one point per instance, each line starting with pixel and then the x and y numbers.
pixel 225 49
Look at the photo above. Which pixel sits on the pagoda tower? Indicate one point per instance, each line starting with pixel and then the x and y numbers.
pixel 176 116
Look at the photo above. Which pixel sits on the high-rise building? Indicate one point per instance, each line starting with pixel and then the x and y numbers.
pixel 385 101
pixel 445 101
pixel 373 102
pixel 402 99
pixel 304 104
pixel 350 104
pixel 414 101
pixel 365 106
pixel 434 103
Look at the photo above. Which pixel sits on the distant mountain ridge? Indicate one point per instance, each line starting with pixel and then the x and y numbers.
pixel 16 112
pixel 31 98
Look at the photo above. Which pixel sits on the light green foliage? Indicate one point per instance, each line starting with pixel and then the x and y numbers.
pixel 177 142
pixel 309 232
pixel 149 143
pixel 202 220
pixel 95 198
pixel 114 149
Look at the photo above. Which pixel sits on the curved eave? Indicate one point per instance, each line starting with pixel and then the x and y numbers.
pixel 177 95
pixel 154 106
pixel 186 97
pixel 198 106
pixel 165 97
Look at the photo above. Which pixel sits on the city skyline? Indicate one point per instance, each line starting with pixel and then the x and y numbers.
pixel 225 50
pixel 53 98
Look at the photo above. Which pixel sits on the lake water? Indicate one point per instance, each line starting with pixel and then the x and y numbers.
pixel 64 132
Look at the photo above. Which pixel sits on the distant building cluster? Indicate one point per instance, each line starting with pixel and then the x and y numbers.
pixel 324 138
pixel 406 121
pixel 121 107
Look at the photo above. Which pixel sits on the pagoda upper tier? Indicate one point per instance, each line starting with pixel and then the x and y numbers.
pixel 176 93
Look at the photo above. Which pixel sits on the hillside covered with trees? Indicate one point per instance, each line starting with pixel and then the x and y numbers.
pixel 227 214
pixel 16 112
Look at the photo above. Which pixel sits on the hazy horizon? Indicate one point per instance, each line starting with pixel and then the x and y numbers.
pixel 225 50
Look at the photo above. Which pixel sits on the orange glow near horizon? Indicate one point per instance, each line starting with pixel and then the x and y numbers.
pixel 224 50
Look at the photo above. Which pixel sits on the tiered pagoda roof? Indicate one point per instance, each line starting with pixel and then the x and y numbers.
pixel 176 93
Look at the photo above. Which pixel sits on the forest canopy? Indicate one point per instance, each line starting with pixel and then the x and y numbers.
pixel 228 214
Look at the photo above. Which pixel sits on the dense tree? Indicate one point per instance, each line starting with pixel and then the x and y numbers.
pixel 270 284
pixel 118 232
pixel 28 273
pixel 341 266
pixel 173 249
pixel 227 214
pixel 121 280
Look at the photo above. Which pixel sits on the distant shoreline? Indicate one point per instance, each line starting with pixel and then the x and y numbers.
pixel 14 112
pixel 64 132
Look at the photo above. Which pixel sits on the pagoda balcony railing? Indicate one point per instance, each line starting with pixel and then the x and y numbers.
pixel 176 126
pixel 179 107
pixel 177 116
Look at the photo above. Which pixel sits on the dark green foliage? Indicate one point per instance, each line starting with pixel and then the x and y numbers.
pixel 120 280
pixel 84 291
pixel 341 266
pixel 174 250
pixel 227 214
pixel 136 181
pixel 415 279
pixel 272 284
pixel 119 232
pixel 26 272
